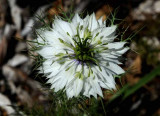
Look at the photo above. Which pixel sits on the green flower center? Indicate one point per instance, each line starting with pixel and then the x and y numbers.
pixel 83 51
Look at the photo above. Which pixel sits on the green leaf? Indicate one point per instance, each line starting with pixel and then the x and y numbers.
pixel 147 78
pixel 128 90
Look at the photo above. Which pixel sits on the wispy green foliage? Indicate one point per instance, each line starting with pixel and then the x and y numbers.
pixel 60 105
pixel 67 16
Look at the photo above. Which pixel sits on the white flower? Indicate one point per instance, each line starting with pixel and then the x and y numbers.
pixel 81 56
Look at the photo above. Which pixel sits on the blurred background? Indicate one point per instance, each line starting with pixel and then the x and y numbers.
pixel 138 91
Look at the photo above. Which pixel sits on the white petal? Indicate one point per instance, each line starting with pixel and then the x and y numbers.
pixel 105 76
pixel 64 28
pixel 52 81
pixel 93 24
pixel 86 88
pixel 116 45
pixel 123 50
pixel 85 21
pixel 104 61
pixel 46 52
pixel 108 55
pixel 103 85
pixel 61 83
pixel 92 92
pixel 108 39
pixel 77 87
pixel 76 19
pixel 108 30
pixel 58 68
pixel 79 68
pixel 100 21
pixel 70 92
pixel 96 87
pixel 86 71
pixel 115 68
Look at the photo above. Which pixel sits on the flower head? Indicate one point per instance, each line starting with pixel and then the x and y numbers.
pixel 81 56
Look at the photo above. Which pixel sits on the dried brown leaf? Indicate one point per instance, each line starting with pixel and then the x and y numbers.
pixel 3 50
